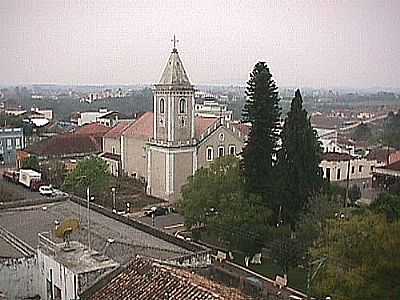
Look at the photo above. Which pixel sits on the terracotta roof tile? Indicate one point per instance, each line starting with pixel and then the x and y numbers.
pixel 146 279
pixel 393 166
pixel 66 144
pixel 94 129
pixel 142 127
pixel 118 129
pixel 202 124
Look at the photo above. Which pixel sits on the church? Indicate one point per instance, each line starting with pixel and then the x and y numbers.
pixel 166 146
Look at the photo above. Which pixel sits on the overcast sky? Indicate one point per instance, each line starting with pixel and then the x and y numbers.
pixel 305 43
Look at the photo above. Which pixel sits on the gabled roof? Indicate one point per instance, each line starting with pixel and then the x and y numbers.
pixel 66 145
pixel 142 127
pixel 393 166
pixel 380 154
pixel 202 123
pixel 118 129
pixel 146 279
pixel 94 129
pixel 174 73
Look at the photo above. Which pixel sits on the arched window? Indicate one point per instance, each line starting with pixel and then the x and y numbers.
pixel 162 104
pixel 182 106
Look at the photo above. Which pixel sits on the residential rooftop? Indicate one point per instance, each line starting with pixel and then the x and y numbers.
pixel 128 241
pixel 147 279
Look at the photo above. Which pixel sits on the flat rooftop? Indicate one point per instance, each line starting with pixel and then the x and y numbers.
pixel 25 223
pixel 76 257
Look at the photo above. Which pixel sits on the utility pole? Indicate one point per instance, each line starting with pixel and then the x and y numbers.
pixel 88 215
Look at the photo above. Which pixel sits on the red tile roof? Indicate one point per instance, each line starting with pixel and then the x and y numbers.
pixel 243 128
pixel 94 129
pixel 202 123
pixel 393 166
pixel 380 155
pixel 334 156
pixel 66 145
pixel 146 279
pixel 118 129
pixel 142 127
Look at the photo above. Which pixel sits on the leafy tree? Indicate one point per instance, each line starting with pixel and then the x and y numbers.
pixel 389 205
pixel 361 260
pixel 298 162
pixel 262 111
pixel 204 190
pixel 53 172
pixel 91 172
pixel 31 163
pixel 214 197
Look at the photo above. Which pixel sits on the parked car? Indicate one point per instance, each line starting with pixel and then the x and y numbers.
pixel 46 190
pixel 156 211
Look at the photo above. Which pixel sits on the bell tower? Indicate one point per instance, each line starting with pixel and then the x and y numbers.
pixel 171 153
pixel 174 104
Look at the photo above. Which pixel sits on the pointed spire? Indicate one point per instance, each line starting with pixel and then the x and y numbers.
pixel 174 72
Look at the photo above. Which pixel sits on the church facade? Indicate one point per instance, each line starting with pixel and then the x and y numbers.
pixel 166 146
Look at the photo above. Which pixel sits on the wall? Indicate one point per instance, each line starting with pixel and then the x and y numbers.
pixel 183 168
pixel 109 143
pixel 61 278
pixel 18 278
pixel 214 141
pixel 367 167
pixel 135 156
pixel 157 174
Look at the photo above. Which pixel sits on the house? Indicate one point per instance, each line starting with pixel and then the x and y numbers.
pixel 166 146
pixel 340 166
pixel 35 261
pixel 387 177
pixel 145 278
pixel 11 141
pixel 209 107
pixel 111 118
pixel 85 141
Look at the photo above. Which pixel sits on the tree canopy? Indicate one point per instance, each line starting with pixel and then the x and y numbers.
pixel 91 172
pixel 361 255
pixel 214 197
pixel 298 162
pixel 262 111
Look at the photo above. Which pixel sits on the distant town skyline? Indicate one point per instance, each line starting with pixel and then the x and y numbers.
pixel 317 44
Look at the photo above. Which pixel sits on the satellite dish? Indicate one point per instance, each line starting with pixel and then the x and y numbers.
pixel 66 229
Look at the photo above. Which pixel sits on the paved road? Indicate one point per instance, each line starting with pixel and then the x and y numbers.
pixel 19 191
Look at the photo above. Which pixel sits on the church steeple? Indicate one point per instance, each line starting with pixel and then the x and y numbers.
pixel 174 72
pixel 174 103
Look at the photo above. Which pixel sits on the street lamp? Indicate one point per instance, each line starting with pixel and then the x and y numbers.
pixel 113 199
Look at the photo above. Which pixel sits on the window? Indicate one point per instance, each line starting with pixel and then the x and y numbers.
pixel 328 173
pixel 353 169
pixel 8 143
pixel 113 150
pixel 338 174
pixel 360 168
pixel 221 137
pixel 372 168
pixel 182 106
pixel 210 154
pixel 221 151
pixel 183 122
pixel 17 143
pixel 162 106
pixel 232 150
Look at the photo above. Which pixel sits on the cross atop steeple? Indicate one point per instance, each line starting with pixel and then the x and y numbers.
pixel 174 40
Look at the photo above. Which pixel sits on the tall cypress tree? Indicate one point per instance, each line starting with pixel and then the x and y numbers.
pixel 298 161
pixel 262 111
